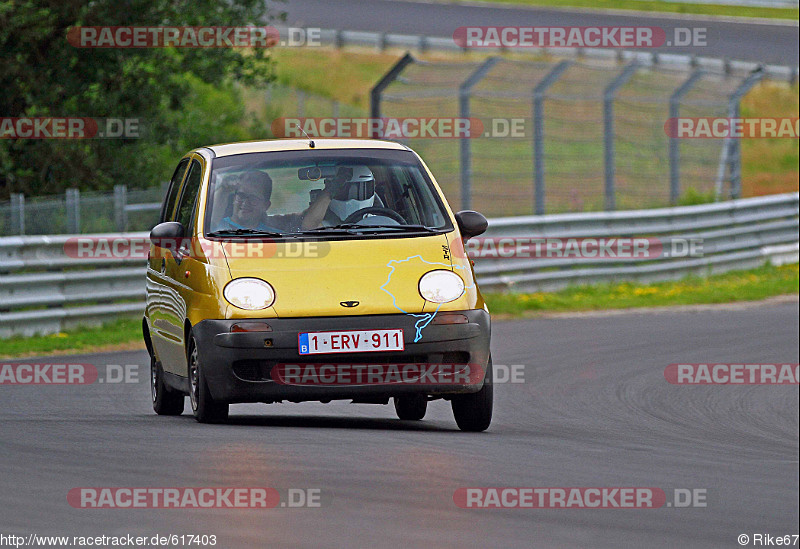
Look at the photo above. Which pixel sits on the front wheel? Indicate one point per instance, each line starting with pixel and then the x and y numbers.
pixel 411 407
pixel 165 401
pixel 205 409
pixel 473 411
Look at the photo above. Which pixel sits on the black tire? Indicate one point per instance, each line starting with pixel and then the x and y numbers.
pixel 166 402
pixel 411 407
pixel 204 408
pixel 473 411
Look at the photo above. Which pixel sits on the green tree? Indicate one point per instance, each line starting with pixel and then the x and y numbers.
pixel 184 97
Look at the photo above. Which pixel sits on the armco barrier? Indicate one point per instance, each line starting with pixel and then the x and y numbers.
pixel 738 234
pixel 384 40
pixel 42 290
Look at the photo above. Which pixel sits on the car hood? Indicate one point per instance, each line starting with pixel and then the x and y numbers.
pixel 342 277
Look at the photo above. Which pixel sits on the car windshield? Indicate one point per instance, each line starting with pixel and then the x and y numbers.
pixel 346 192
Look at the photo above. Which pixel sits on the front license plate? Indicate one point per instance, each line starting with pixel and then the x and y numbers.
pixel 350 341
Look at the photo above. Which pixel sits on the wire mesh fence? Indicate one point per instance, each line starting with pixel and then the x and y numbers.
pixel 592 137
pixel 282 101
pixel 77 212
pixel 593 130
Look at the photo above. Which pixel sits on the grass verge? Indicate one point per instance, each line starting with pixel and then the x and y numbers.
pixel 770 166
pixel 751 285
pixel 664 7
pixel 121 334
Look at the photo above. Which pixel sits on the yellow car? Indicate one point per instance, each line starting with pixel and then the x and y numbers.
pixel 314 270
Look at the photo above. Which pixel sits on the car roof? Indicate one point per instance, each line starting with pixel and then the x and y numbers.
pixel 272 145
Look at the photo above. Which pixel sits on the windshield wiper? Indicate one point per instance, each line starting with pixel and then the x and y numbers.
pixel 239 232
pixel 343 228
pixel 348 228
pixel 415 228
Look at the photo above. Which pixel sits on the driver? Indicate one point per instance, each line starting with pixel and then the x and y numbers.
pixel 355 193
pixel 352 189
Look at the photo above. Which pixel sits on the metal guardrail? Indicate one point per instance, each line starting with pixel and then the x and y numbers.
pixel 42 290
pixel 384 40
pixel 739 234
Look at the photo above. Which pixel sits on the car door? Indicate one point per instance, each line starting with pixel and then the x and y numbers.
pixel 176 289
pixel 156 264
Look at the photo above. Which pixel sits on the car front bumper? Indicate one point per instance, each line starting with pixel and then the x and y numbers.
pixel 239 366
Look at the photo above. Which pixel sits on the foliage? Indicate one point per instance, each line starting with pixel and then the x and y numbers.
pixel 693 197
pixel 183 97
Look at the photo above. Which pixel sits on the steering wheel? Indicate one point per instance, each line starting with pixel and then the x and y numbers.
pixel 358 215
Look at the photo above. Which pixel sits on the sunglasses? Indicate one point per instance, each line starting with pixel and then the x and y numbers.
pixel 245 197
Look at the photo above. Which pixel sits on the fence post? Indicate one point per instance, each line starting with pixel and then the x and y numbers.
pixel 120 203
pixel 17 213
pixel 735 151
pixel 674 142
pixel 608 130
pixel 464 91
pixel 73 204
pixel 724 156
pixel 377 90
pixel 538 134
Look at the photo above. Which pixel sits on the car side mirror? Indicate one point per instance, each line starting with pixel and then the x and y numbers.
pixel 170 231
pixel 471 223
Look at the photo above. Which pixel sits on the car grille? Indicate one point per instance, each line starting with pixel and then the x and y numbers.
pixel 259 370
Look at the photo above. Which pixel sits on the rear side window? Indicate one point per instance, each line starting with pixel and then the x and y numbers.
pixel 174 187
pixel 189 196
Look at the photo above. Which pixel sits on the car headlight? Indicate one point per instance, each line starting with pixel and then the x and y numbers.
pixel 249 293
pixel 441 286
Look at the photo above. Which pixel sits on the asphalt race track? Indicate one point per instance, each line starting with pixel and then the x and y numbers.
pixel 759 42
pixel 594 411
